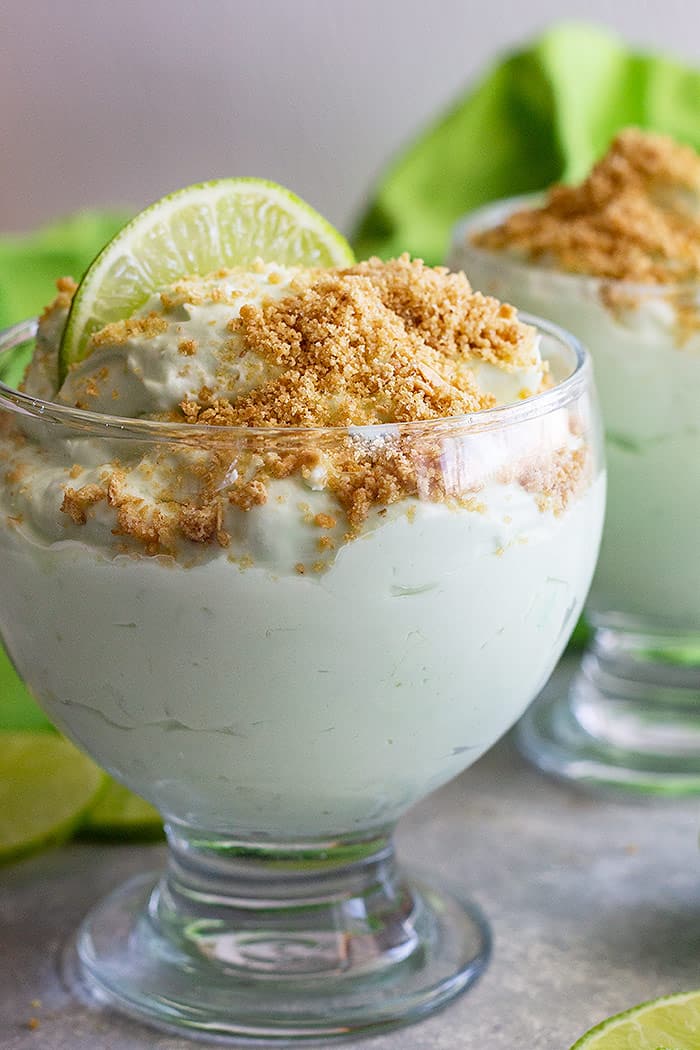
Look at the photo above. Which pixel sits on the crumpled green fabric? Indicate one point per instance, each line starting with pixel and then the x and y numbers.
pixel 29 266
pixel 540 115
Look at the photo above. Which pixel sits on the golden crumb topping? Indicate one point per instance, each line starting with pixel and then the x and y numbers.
pixel 66 288
pixel 119 332
pixel 225 286
pixel 635 218
pixel 553 479
pixel 374 343
pixel 361 477
pixel 77 501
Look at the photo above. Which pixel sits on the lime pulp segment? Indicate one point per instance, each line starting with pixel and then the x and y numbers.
pixel 669 1023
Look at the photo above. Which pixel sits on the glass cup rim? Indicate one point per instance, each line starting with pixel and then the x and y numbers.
pixel 486 216
pixel 103 425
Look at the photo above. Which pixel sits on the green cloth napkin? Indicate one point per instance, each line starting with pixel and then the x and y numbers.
pixel 29 266
pixel 542 114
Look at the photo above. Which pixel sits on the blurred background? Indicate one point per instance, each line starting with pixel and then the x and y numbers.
pixel 108 102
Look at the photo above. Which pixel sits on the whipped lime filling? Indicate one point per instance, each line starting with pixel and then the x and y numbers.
pixel 224 685
pixel 304 706
pixel 133 376
pixel 188 347
pixel 645 346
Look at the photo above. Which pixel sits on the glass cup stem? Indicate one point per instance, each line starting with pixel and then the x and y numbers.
pixel 630 719
pixel 285 910
pixel 281 941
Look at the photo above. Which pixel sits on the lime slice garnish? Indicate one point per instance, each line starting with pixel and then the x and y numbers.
pixel 46 787
pixel 226 222
pixel 670 1023
pixel 120 814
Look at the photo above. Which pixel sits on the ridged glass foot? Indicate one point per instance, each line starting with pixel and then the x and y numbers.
pixel 278 945
pixel 631 720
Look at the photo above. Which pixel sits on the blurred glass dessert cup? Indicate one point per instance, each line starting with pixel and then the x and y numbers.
pixel 618 260
pixel 284 634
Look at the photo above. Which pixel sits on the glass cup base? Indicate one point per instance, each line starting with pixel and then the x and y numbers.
pixel 630 722
pixel 347 963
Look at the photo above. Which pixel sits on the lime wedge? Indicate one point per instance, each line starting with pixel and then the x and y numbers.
pixel 46 787
pixel 670 1023
pixel 119 814
pixel 226 222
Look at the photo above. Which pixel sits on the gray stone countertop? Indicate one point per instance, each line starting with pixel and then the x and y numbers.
pixel 594 906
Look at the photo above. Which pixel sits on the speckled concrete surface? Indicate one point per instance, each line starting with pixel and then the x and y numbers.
pixel 594 906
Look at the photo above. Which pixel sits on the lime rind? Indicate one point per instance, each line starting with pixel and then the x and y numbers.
pixel 47 786
pixel 201 228
pixel 656 1024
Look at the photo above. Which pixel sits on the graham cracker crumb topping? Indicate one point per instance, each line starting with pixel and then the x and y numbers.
pixel 374 343
pixel 119 332
pixel 635 218
pixel 76 502
pixel 66 288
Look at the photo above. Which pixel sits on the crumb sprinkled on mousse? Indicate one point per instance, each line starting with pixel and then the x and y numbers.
pixel 635 218
pixel 66 288
pixel 119 331
pixel 375 344
pixel 76 501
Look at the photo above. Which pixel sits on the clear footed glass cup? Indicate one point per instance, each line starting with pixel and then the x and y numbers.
pixel 631 721
pixel 283 686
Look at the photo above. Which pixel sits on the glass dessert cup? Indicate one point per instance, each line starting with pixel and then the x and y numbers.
pixel 282 721
pixel 631 721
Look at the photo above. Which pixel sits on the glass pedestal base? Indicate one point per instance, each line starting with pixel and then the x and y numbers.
pixel 630 722
pixel 262 950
